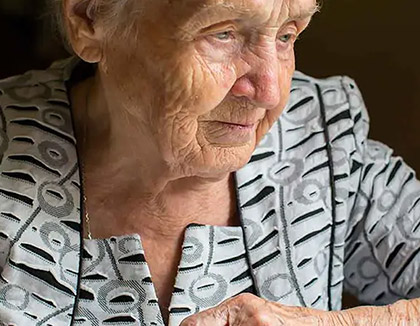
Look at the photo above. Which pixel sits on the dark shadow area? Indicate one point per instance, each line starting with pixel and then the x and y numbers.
pixel 377 43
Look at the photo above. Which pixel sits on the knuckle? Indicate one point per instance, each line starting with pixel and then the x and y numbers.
pixel 245 298
pixel 262 319
pixel 189 322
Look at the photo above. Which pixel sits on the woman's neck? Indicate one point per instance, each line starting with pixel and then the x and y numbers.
pixel 128 187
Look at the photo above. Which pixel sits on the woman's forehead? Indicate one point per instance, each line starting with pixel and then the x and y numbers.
pixel 278 8
pixel 294 6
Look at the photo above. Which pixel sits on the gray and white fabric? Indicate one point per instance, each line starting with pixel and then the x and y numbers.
pixel 117 288
pixel 322 207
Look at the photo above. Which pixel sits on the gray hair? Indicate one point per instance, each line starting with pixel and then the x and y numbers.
pixel 109 12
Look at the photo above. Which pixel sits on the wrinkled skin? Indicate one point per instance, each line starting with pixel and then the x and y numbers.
pixel 185 78
pixel 249 310
pixel 183 100
pixel 157 127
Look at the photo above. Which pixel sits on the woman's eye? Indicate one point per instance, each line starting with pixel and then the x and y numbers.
pixel 223 36
pixel 286 38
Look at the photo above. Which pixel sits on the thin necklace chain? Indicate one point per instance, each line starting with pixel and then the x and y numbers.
pixel 87 219
pixel 83 179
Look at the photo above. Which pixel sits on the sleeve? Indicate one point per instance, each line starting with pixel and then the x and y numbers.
pixel 382 244
pixel 4 144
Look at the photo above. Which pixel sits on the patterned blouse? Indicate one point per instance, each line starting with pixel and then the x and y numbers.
pixel 117 288
pixel 322 208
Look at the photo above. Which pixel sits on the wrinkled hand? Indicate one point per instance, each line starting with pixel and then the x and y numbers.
pixel 250 310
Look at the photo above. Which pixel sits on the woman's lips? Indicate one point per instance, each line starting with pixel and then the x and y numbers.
pixel 230 133
pixel 239 126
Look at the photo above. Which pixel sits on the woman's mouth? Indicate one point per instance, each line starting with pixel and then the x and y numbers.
pixel 223 132
pixel 239 126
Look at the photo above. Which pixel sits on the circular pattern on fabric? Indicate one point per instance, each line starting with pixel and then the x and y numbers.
pixel 67 258
pixel 368 268
pixel 99 254
pixel 129 244
pixel 29 93
pixel 355 100
pixel 208 290
pixel 320 262
pixel 333 96
pixel 109 293
pixel 405 220
pixel 55 199
pixel 339 156
pixel 277 287
pixel 14 297
pixel 58 119
pixel 386 201
pixel 287 171
pixel 231 231
pixel 309 192
pixel 53 154
pixel 192 249
pixel 55 238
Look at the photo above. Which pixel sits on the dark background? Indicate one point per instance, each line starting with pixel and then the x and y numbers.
pixel 376 42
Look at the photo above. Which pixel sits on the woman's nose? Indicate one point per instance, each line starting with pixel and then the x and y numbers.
pixel 261 83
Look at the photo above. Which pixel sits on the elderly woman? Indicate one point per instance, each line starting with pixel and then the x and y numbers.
pixel 178 171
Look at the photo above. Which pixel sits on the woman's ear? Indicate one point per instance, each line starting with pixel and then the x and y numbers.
pixel 84 36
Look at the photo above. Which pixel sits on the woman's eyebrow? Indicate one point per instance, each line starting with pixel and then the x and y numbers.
pixel 217 13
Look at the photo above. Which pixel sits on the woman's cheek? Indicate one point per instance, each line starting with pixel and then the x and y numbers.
pixel 212 52
pixel 287 55
pixel 286 70
pixel 217 80
pixel 228 77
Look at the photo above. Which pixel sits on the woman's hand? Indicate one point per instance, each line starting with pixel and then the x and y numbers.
pixel 250 310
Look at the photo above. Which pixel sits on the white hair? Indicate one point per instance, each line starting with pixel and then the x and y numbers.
pixel 113 14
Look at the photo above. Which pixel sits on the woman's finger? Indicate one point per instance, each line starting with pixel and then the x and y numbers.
pixel 215 316
pixel 242 310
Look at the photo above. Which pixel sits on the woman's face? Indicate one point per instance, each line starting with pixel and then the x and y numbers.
pixel 206 78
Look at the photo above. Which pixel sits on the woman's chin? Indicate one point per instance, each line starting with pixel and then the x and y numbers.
pixel 227 158
pixel 213 154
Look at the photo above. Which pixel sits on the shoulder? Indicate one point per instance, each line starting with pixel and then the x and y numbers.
pixel 35 100
pixel 333 107
pixel 34 86
pixel 324 126
pixel 322 130
pixel 58 72
pixel 36 143
pixel 331 95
